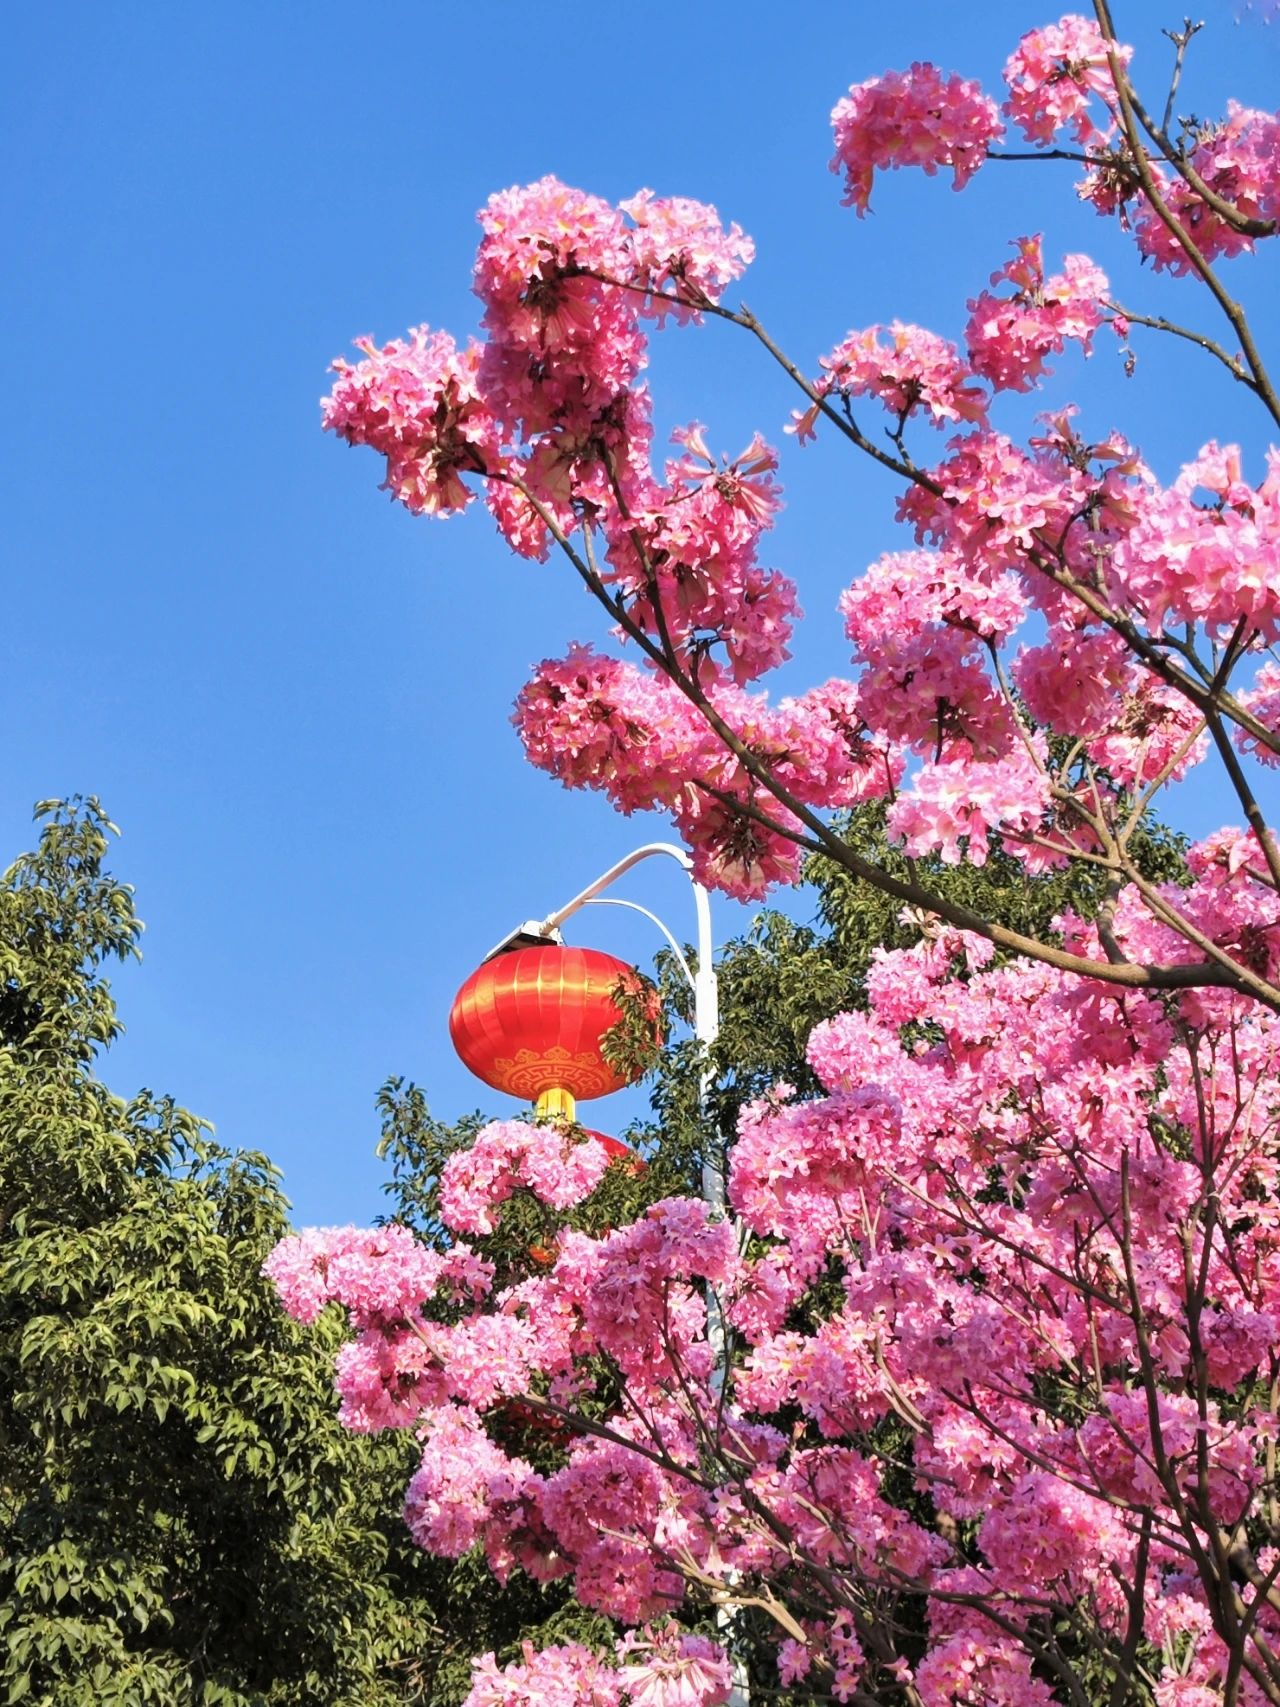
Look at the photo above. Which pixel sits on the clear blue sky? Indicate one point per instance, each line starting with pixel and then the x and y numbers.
pixel 291 695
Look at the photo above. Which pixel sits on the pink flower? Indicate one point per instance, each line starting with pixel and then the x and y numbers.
pixel 919 118
pixel 681 255
pixel 957 801
pixel 996 502
pixel 559 1166
pixel 1077 680
pixel 564 1675
pixel 1263 700
pixel 419 405
pixel 386 1378
pixel 1155 731
pixel 665 1668
pixel 1054 73
pixel 918 621
pixel 1239 160
pixel 1204 565
pixel 564 342
pixel 461 1478
pixel 794 1662
pixel 594 720
pixel 692 545
pixel 1178 1691
pixel 981 1668
pixel 1008 337
pixel 732 850
pixel 908 369
pixel 382 1274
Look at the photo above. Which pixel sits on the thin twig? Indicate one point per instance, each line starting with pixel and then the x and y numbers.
pixel 1158 323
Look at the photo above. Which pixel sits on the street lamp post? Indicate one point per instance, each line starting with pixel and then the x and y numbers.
pixel 702 982
pixel 706 1028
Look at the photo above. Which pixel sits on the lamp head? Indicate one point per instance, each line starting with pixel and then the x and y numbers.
pixel 531 934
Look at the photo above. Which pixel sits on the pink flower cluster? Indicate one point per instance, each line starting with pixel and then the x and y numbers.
pixel 547 405
pixel 597 722
pixel 908 369
pixel 418 404
pixel 1239 160
pixel 687 550
pixel 921 624
pixel 1054 75
pixel 563 341
pixel 560 1167
pixel 379 1275
pixel 955 801
pixel 664 1667
pixel 680 254
pixel 1263 701
pixel 563 1675
pixel 919 117
pixel 657 1667
pixel 461 1478
pixel 590 720
pixel 1008 337
pixel 565 281
pixel 1183 562
pixel 995 505
pixel 550 416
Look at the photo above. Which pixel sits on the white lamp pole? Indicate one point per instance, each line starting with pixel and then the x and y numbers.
pixel 706 1028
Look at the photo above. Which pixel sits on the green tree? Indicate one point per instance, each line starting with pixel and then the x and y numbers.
pixel 182 1520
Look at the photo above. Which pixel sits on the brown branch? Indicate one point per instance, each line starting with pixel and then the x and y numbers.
pixel 1245 979
pixel 1079 156
pixel 1135 1596
pixel 1158 323
pixel 1178 158
pixel 1246 797
pixel 1171 976
pixel 1181 40
pixel 1129 124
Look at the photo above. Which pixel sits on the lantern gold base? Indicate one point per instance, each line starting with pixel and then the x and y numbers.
pixel 556 1104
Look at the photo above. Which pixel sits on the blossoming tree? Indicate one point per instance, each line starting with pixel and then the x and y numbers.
pixel 996 1418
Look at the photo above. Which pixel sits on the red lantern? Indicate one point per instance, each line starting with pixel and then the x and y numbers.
pixel 613 1147
pixel 529 1022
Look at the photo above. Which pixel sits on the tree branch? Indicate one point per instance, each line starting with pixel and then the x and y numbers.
pixel 1129 124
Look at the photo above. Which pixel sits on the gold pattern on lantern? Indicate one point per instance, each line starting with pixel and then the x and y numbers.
pixel 529 1072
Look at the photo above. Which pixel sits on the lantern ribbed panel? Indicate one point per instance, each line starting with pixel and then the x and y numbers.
pixel 531 1021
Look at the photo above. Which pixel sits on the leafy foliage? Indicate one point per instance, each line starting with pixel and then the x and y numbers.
pixel 181 1517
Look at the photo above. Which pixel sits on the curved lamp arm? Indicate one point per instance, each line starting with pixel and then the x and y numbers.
pixel 635 907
